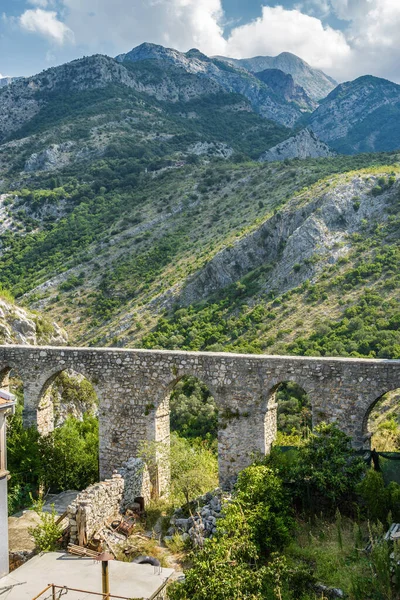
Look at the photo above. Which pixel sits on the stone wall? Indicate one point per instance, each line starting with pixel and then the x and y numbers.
pixel 137 482
pixel 93 507
pixel 133 387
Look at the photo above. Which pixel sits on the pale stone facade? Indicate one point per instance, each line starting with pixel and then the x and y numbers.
pixel 133 388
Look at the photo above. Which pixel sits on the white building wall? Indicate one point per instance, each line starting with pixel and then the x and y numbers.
pixel 3 527
pixel 3 497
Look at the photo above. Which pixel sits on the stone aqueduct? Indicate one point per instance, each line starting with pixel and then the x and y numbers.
pixel 133 388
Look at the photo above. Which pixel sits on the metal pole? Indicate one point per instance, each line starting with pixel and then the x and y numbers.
pixel 105 580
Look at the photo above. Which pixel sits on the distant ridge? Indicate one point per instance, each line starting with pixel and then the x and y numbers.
pixel 316 83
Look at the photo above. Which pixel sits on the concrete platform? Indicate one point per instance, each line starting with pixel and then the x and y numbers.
pixel 126 579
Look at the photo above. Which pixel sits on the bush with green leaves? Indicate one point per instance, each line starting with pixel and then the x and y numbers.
pixel 264 502
pixel 65 459
pixel 240 561
pixel 327 470
pixel 382 503
pixel 47 532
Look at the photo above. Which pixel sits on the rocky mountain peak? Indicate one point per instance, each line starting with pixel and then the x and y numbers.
pixel 360 116
pixel 316 83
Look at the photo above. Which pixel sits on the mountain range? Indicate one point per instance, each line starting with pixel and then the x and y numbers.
pixel 158 199
pixel 357 116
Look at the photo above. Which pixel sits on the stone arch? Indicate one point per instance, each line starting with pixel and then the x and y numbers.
pixel 367 434
pixel 160 426
pixel 271 411
pixel 43 403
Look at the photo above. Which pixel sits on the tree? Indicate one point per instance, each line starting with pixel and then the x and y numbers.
pixel 194 469
pixel 327 469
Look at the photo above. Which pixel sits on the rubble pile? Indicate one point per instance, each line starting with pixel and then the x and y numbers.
pixel 201 523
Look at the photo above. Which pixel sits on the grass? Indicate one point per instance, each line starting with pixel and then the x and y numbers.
pixel 7 296
pixel 338 558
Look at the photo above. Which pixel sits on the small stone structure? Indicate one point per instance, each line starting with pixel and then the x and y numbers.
pixel 133 387
pixel 137 483
pixel 93 507
pixel 99 503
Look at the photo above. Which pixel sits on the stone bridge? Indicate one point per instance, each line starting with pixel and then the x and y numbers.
pixel 133 388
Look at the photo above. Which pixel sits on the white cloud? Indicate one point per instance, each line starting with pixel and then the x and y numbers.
pixel 280 30
pixel 369 44
pixel 47 24
pixel 119 25
pixel 373 35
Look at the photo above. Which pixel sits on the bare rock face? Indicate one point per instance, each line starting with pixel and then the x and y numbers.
pixel 283 84
pixel 18 326
pixel 228 78
pixel 54 157
pixel 219 149
pixel 360 116
pixel 289 241
pixel 303 145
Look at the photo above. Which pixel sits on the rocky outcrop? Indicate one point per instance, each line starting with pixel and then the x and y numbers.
pixel 316 83
pixel 18 326
pixel 360 116
pixel 211 149
pixel 283 84
pixel 296 242
pixel 53 157
pixel 304 144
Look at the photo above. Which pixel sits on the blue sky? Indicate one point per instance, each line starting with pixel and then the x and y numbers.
pixel 345 38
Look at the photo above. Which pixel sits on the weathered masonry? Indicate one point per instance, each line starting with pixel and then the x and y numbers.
pixel 133 387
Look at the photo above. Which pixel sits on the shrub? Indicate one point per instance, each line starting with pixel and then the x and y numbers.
pixel 373 493
pixel 47 533
pixel 262 499
pixel 328 469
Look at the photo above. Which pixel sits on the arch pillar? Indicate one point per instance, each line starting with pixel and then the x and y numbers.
pixel 37 412
pixel 242 431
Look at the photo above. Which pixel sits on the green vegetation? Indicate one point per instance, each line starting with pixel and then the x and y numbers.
pixel 65 459
pixel 194 469
pixel 47 533
pixel 274 543
pixel 193 410
pixel 360 291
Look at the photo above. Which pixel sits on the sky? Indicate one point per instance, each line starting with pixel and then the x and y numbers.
pixel 344 38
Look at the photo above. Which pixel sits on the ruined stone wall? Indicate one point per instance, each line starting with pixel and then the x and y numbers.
pixel 132 387
pixel 94 507
pixel 137 482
